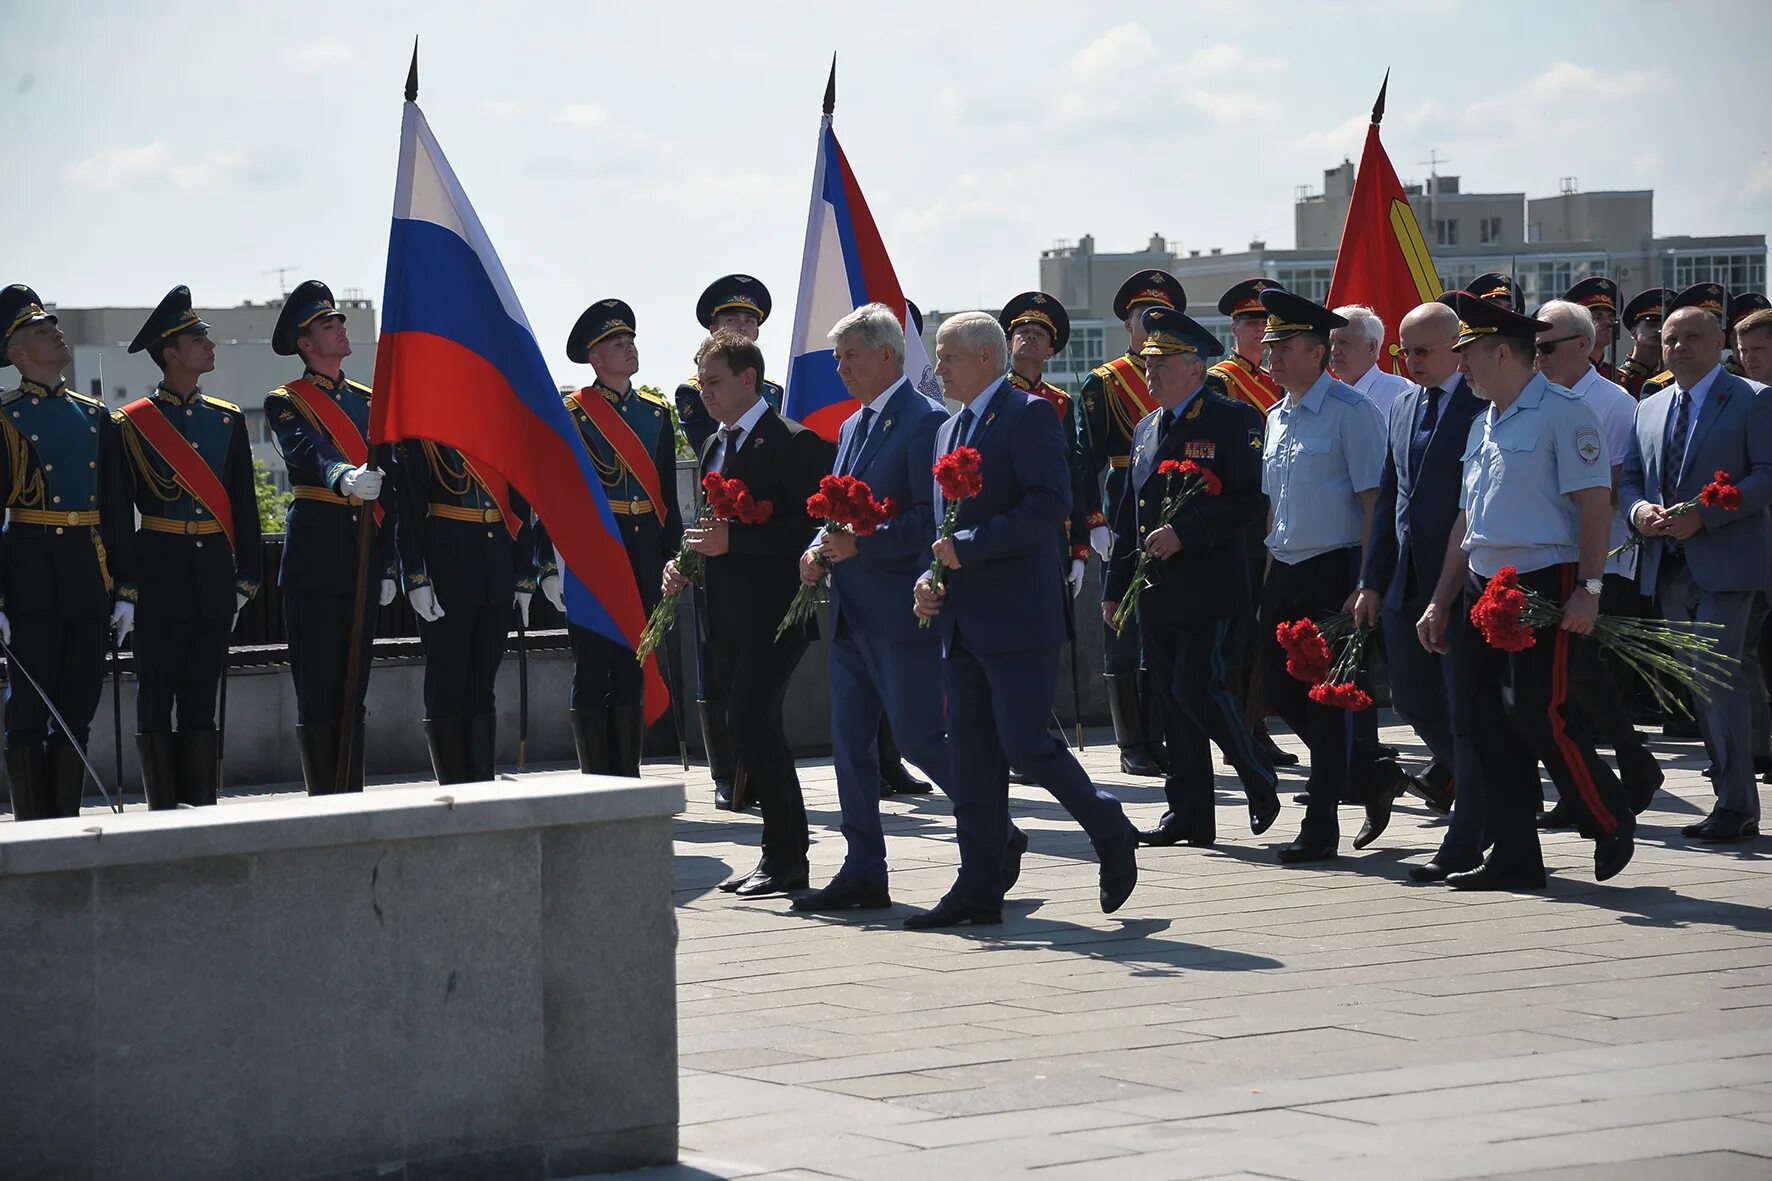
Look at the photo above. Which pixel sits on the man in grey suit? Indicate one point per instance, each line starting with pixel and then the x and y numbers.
pixel 1707 564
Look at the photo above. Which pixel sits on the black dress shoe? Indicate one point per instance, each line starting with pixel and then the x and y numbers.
pixel 1560 816
pixel 1433 789
pixel 1018 844
pixel 1119 874
pixel 1302 851
pixel 731 884
pixel 1378 818
pixel 1725 826
pixel 772 881
pixel 1263 813
pixel 1641 784
pixel 951 912
pixel 1136 760
pixel 1436 871
pixel 1277 755
pixel 1172 831
pixel 1612 854
pixel 845 894
pixel 723 795
pixel 1692 830
pixel 1020 778
pixel 902 783
pixel 1303 797
pixel 1496 875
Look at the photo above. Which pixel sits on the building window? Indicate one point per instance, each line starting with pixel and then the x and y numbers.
pixel 1491 230
pixel 1446 231
pixel 98 390
pixel 1310 280
pixel 1736 270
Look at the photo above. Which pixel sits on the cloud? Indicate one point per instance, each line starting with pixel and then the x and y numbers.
pixel 970 199
pixel 502 108
pixel 156 161
pixel 582 115
pixel 325 55
pixel 1215 60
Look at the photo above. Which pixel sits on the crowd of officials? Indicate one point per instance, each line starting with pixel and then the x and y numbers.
pixel 1339 485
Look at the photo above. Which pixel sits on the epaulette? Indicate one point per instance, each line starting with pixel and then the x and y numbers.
pixel 1566 392
pixel 74 396
pixel 692 382
pixel 655 399
pixel 220 404
pixel 774 385
pixel 1342 392
pixel 1102 372
pixel 1221 396
pixel 359 387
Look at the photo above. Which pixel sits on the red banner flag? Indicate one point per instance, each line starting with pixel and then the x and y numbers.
pixel 1383 262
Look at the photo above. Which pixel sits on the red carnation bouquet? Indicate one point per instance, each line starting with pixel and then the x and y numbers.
pixel 846 505
pixel 1182 481
pixel 1327 657
pixel 959 477
pixel 1721 493
pixel 1669 656
pixel 723 499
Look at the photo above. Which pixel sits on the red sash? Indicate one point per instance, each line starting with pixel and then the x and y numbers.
pixel 337 424
pixel 1133 386
pixel 500 491
pixel 627 444
pixel 189 469
pixel 1254 387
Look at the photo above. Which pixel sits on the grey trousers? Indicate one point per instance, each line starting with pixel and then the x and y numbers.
pixel 1725 720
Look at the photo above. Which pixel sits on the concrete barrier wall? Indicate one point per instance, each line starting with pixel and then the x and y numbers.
pixel 346 987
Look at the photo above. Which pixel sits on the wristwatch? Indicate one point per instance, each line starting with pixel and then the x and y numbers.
pixel 1593 586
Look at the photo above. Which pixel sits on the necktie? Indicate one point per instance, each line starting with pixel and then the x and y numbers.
pixel 857 441
pixel 1163 425
pixel 728 435
pixel 1676 446
pixel 1424 433
pixel 965 428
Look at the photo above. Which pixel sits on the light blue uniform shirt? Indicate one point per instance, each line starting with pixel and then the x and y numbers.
pixel 1319 456
pixel 1520 468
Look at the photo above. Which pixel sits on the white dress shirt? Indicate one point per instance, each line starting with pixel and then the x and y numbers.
pixel 1617 412
pixel 1381 388
pixel 747 423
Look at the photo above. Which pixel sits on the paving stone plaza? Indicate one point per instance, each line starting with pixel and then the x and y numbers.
pixel 1236 1019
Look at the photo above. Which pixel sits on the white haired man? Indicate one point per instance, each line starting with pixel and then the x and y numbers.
pixel 1353 357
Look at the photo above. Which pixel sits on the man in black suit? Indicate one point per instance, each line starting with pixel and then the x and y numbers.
pixel 1199 597
pixel 1417 504
pixel 750 576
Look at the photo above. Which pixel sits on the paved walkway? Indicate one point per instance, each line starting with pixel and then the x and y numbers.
pixel 1237 1019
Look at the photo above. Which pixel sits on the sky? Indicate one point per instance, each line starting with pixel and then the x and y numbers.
pixel 642 150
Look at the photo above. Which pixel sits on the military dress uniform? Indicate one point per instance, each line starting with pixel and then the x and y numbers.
pixel 1237 376
pixel 1646 305
pixel 1115 399
pixel 319 569
pixel 1036 307
pixel 467 537
pixel 197 563
pixel 65 557
pixel 633 449
pixel 1599 295
pixel 1521 466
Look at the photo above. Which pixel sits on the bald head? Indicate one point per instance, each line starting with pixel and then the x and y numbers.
pixel 1426 335
pixel 1691 344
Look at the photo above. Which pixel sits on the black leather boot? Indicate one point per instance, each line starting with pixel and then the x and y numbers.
pixel 447 740
pixel 722 764
pixel 319 758
pixel 28 771
pixel 1123 707
pixel 354 770
pixel 590 738
pixel 67 779
pixel 482 748
pixel 199 768
pixel 160 769
pixel 627 732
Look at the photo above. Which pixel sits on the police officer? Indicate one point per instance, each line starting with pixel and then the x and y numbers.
pixel 628 433
pixel 1537 497
pixel 1116 397
pixel 198 557
pixel 466 554
pixel 1642 319
pixel 1198 575
pixel 65 558
pixel 736 303
pixel 320 424
pixel 1599 295
pixel 1322 462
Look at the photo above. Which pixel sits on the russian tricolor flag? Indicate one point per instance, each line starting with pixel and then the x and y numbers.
pixel 845 266
pixel 457 363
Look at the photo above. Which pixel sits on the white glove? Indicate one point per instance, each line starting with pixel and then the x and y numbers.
pixel 1078 566
pixel 123 619
pixel 362 482
pixel 424 603
pixel 1101 540
pixel 240 602
pixel 387 592
pixel 5 629
pixel 523 598
pixel 554 591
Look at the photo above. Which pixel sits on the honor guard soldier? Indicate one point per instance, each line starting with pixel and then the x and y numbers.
pixel 466 555
pixel 736 303
pixel 1537 497
pixel 1241 375
pixel 1497 288
pixel 320 425
pixel 1708 297
pixel 65 559
pixel 1198 600
pixel 1642 319
pixel 197 551
pixel 1116 398
pixel 628 433
pixel 1599 295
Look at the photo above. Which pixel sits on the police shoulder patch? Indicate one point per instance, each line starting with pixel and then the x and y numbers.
pixel 1587 445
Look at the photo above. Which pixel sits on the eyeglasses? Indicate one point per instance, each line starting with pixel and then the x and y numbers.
pixel 1547 347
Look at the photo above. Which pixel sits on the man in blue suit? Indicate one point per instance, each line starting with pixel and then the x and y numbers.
pixel 1417 504
pixel 1001 623
pixel 880 661
pixel 1707 564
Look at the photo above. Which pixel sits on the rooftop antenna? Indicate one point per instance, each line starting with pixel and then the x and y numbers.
pixel 282 281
